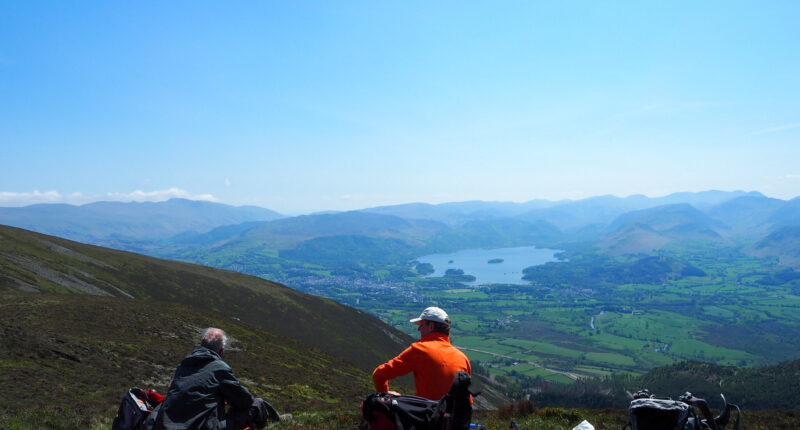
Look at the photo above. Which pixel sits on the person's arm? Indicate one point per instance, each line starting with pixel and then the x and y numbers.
pixel 232 391
pixel 398 366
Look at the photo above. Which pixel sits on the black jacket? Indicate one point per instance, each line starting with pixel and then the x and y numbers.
pixel 197 395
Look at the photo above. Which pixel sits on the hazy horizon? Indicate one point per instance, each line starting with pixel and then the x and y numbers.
pixel 139 198
pixel 306 107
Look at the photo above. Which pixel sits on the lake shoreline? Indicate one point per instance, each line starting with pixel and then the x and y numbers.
pixel 491 266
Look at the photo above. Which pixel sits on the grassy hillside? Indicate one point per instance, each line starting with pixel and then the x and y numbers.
pixel 83 352
pixel 752 388
pixel 768 387
pixel 38 263
pixel 81 324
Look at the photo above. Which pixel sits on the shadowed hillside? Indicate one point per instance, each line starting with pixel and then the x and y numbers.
pixel 752 388
pixel 37 263
pixel 83 352
pixel 768 387
pixel 649 229
pixel 747 216
pixel 783 243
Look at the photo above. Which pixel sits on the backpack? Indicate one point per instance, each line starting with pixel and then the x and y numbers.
pixel 647 412
pixel 386 411
pixel 136 405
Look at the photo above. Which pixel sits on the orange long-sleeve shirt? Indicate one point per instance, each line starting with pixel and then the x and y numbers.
pixel 434 362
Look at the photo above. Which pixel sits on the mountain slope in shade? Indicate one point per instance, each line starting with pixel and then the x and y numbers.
pixel 648 229
pixel 494 234
pixel 565 214
pixel 783 243
pixel 633 239
pixel 289 232
pixel 593 210
pixel 768 387
pixel 786 215
pixel 604 209
pixel 37 263
pixel 106 222
pixel 704 199
pixel 457 213
pixel 747 216
pixel 666 218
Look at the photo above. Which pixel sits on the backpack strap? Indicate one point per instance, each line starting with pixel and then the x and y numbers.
pixel 384 404
pixel 397 422
pixel 725 415
pixel 738 415
pixel 456 404
pixel 703 406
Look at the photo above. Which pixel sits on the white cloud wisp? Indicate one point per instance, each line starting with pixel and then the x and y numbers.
pixel 8 198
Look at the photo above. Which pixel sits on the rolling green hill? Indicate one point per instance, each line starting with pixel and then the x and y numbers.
pixel 37 263
pixel 358 243
pixel 83 352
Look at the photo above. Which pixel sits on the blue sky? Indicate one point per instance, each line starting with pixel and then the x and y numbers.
pixel 303 106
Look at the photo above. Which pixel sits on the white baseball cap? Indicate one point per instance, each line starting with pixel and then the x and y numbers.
pixel 432 314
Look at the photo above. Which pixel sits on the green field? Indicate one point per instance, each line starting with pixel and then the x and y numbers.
pixel 590 315
pixel 734 315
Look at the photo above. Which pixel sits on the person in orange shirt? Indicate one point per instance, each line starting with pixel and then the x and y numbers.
pixel 432 358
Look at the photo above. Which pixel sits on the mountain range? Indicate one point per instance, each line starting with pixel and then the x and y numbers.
pixel 255 238
pixel 68 307
pixel 116 222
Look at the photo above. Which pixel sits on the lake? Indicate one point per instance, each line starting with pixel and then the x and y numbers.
pixel 475 262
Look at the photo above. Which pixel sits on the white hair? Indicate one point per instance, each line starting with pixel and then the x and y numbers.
pixel 214 338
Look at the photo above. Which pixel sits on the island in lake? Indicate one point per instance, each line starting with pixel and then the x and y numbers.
pixel 458 276
pixel 496 261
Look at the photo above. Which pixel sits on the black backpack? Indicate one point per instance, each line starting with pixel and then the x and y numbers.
pixel 136 405
pixel 647 412
pixel 451 412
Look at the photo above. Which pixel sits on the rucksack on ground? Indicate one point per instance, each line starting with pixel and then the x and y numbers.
pixel 135 407
pixel 384 411
pixel 647 412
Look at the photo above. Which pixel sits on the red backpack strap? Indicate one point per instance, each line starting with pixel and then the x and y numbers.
pixel 154 397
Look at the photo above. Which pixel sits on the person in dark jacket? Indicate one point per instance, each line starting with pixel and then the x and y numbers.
pixel 205 394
